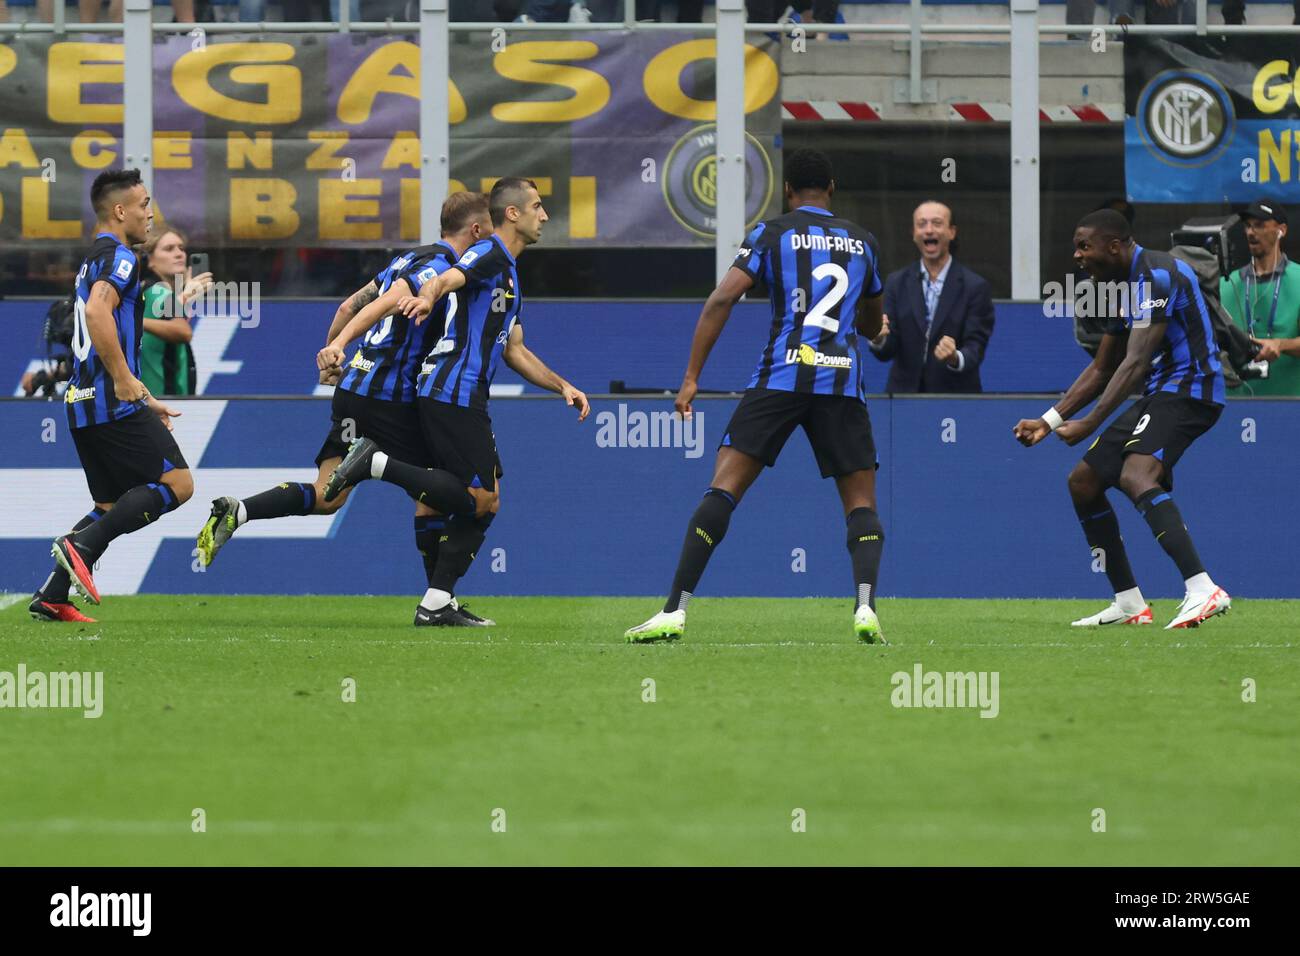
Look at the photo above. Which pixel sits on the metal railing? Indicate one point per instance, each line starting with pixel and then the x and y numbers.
pixel 434 29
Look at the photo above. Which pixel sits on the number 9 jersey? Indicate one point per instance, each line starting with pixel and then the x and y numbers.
pixel 817 267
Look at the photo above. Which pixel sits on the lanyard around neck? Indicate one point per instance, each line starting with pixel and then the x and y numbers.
pixel 1277 288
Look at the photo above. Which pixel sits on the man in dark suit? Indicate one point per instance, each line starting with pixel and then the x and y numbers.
pixel 938 314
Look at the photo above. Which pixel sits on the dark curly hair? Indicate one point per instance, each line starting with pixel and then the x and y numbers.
pixel 808 169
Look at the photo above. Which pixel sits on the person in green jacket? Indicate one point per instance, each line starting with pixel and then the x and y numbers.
pixel 166 363
pixel 1263 298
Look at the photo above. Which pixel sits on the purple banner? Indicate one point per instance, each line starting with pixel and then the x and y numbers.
pixel 312 140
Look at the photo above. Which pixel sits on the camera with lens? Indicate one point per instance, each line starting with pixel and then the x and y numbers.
pixel 60 321
pixel 57 332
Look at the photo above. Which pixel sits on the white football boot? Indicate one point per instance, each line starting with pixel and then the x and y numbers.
pixel 664 626
pixel 1115 615
pixel 1198 607
pixel 867 625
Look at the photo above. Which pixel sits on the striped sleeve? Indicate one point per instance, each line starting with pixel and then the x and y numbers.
pixel 482 261
pixel 753 253
pixel 417 278
pixel 1156 295
pixel 121 271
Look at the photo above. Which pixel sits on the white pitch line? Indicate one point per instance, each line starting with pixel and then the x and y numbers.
pixel 585 827
pixel 764 645
pixel 182 827
pixel 9 600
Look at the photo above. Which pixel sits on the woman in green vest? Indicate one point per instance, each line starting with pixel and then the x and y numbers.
pixel 166 362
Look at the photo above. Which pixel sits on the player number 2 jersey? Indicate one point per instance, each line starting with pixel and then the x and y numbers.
pixel 387 364
pixel 90 397
pixel 460 368
pixel 817 267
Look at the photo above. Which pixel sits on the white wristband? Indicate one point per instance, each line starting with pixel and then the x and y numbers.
pixel 1053 418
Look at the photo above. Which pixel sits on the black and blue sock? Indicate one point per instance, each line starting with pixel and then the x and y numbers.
pixel 464 536
pixel 1101 529
pixel 288 498
pixel 866 544
pixel 56 586
pixel 1166 523
pixel 705 532
pixel 429 531
pixel 433 487
pixel 138 508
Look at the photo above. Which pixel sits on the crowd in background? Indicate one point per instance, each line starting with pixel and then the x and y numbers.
pixel 1152 12
pixel 483 11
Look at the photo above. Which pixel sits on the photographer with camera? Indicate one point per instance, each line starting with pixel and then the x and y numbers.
pixel 166 362
pixel 50 381
pixel 1263 298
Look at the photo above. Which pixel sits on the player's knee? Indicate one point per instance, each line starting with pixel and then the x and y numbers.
pixel 323 507
pixel 181 483
pixel 857 495
pixel 1139 475
pixel 733 491
pixel 864 526
pixel 485 502
pixel 1083 482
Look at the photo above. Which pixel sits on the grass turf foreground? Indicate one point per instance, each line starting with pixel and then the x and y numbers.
pixel 234 705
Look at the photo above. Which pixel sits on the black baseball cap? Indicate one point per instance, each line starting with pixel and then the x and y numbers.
pixel 1265 209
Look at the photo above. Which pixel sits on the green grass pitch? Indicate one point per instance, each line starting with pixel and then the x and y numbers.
pixel 234 705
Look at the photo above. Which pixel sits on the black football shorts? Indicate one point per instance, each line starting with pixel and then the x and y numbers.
pixel 461 442
pixel 1162 425
pixel 838 429
pixel 393 426
pixel 121 455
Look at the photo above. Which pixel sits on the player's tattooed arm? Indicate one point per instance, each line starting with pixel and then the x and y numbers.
pixel 350 307
pixel 332 354
pixel 714 315
pixel 102 301
pixel 1142 344
pixel 105 295
pixel 531 368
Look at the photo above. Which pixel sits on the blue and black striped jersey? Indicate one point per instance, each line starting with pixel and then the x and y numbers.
pixel 387 363
pixel 1164 290
pixel 816 267
pixel 459 370
pixel 90 396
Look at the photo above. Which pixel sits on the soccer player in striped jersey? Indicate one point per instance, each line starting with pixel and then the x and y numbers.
pixel 375 394
pixel 134 469
pixel 480 299
pixel 1171 346
pixel 822 274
